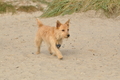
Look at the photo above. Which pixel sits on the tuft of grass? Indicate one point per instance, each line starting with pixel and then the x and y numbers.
pixel 63 7
pixel 6 7
pixel 42 1
pixel 110 7
pixel 29 8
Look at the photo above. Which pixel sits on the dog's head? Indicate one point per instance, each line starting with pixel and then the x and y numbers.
pixel 63 29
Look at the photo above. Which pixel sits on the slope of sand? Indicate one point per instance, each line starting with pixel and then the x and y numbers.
pixel 91 53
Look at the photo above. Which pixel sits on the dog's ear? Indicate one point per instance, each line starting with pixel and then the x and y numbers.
pixel 58 24
pixel 39 22
pixel 68 22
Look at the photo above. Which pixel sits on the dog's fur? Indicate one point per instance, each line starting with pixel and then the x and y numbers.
pixel 53 36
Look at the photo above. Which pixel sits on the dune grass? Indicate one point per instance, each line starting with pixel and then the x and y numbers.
pixel 42 1
pixel 6 7
pixel 29 9
pixel 63 7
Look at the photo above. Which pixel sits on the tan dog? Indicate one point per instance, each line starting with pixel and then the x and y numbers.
pixel 53 36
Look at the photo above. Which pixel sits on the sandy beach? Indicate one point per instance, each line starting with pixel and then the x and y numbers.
pixel 91 53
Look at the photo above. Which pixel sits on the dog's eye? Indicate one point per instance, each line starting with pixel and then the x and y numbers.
pixel 63 30
pixel 68 29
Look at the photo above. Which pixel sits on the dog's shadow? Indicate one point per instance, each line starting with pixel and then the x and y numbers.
pixel 68 52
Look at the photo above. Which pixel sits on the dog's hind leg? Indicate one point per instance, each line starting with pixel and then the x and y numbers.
pixel 38 42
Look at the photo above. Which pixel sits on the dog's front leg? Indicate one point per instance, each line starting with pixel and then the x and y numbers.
pixel 50 50
pixel 55 49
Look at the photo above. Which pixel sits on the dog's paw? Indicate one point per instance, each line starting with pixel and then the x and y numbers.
pixel 58 45
pixel 60 57
pixel 54 54
pixel 51 53
pixel 37 52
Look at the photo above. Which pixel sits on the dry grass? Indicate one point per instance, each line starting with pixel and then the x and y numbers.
pixel 6 7
pixel 29 9
pixel 63 7
pixel 42 1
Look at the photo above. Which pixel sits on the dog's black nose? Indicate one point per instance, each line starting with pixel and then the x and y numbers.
pixel 68 35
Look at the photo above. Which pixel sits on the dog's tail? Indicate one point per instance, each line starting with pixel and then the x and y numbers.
pixel 39 23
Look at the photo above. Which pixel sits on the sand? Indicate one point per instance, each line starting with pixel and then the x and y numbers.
pixel 91 53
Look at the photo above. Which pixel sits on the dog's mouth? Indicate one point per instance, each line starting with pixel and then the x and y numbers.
pixel 66 37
